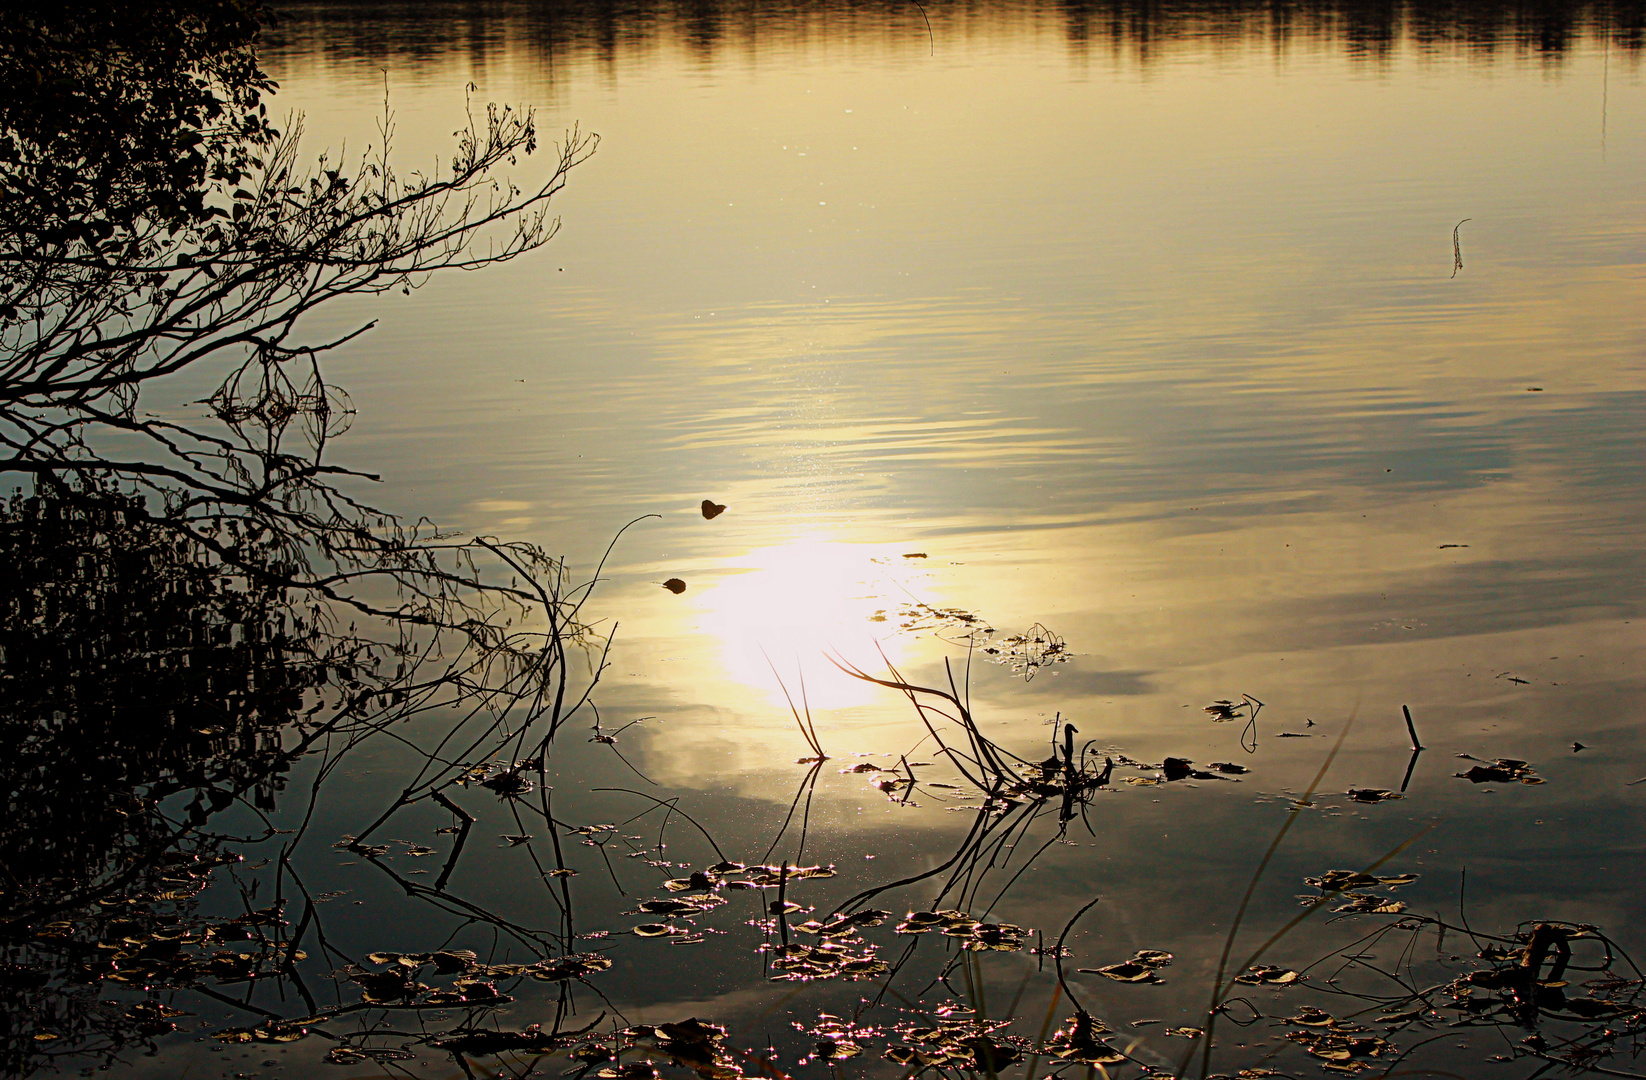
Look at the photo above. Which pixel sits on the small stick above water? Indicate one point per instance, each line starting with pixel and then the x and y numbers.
pixel 1411 729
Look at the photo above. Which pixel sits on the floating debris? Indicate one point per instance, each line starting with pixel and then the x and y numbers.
pixel 1369 904
pixel 1078 1041
pixel 1336 1042
pixel 972 934
pixel 485 1041
pixel 1139 969
pixel 1501 771
pixel 1339 880
pixel 712 509
pixel 1028 652
pixel 826 960
pixel 837 1039
pixel 958 1041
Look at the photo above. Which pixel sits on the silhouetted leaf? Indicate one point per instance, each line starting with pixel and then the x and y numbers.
pixel 1503 770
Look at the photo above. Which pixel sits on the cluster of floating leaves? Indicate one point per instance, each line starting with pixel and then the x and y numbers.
pixel 398 985
pixel 1225 709
pixel 1340 1045
pixel 1141 968
pixel 918 616
pixel 971 934
pixel 1028 652
pixel 692 1043
pixel 837 1039
pixel 698 893
pixel 1270 975
pixel 1349 885
pixel 1083 1040
pixel 827 959
pixel 1515 988
pixel 1524 983
pixel 1173 769
pixel 1501 771
pixel 1025 653
pixel 956 1043
pixel 505 779
pixel 146 951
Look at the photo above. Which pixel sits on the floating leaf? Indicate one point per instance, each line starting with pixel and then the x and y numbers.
pixel 573 966
pixel 1338 880
pixel 1367 904
pixel 675 585
pixel 699 880
pixel 1502 771
pixel 486 1041
pixel 712 509
pixel 1127 972
pixel 1077 1040
pixel 670 907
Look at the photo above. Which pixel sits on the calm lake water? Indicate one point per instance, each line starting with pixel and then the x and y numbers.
pixel 1297 353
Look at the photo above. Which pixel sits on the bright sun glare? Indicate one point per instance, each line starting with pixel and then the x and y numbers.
pixel 796 605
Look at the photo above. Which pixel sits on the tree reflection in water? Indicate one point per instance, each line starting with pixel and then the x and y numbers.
pixel 198 612
pixel 192 607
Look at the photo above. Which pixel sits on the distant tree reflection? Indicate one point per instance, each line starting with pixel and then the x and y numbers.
pixel 607 32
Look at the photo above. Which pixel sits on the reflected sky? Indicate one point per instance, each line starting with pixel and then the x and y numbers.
pixel 1146 332
pixel 1293 352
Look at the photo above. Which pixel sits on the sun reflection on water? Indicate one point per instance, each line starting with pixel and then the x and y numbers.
pixel 793 606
